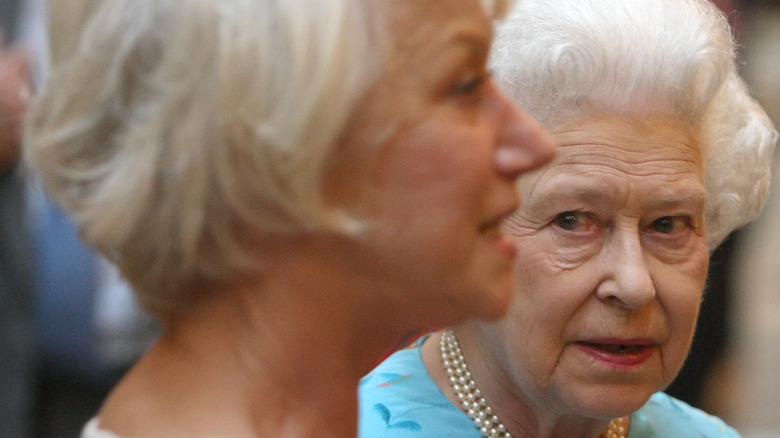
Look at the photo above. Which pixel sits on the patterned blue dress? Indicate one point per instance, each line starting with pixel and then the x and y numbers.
pixel 398 399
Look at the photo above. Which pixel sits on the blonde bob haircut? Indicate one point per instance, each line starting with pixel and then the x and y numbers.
pixel 567 59
pixel 173 131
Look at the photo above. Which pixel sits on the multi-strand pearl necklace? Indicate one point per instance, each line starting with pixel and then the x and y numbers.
pixel 475 405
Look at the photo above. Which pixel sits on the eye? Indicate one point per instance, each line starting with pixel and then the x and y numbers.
pixel 471 84
pixel 568 220
pixel 663 225
pixel 670 224
pixel 573 220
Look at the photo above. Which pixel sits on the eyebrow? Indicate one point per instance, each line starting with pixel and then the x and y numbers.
pixel 476 40
pixel 479 41
pixel 607 194
pixel 678 199
pixel 582 194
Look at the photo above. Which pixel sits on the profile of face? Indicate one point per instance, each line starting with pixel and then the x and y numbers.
pixel 611 266
pixel 431 158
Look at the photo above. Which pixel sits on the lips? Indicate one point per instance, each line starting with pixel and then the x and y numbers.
pixel 619 348
pixel 621 353
pixel 492 231
pixel 492 226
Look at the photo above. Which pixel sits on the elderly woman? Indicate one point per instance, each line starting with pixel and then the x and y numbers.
pixel 290 186
pixel 662 153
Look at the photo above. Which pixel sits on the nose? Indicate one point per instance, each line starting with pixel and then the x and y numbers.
pixel 627 281
pixel 523 144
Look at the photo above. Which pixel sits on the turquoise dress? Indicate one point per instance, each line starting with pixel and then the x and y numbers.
pixel 398 399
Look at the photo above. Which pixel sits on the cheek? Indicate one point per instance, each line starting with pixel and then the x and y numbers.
pixel 526 347
pixel 547 297
pixel 680 287
pixel 435 169
pixel 680 294
pixel 549 277
pixel 532 268
pixel 682 306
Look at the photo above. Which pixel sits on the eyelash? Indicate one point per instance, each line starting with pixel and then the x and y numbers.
pixel 675 220
pixel 578 216
pixel 471 84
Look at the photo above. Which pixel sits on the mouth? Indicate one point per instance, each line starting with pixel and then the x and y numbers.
pixel 492 227
pixel 620 352
pixel 618 348
pixel 492 231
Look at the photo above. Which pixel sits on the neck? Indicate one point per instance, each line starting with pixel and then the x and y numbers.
pixel 519 416
pixel 281 358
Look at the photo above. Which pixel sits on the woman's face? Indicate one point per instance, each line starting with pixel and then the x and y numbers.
pixel 431 158
pixel 611 266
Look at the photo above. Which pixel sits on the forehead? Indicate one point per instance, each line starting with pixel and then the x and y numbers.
pixel 418 25
pixel 604 156
pixel 636 146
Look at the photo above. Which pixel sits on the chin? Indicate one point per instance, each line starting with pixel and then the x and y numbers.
pixel 613 402
pixel 494 305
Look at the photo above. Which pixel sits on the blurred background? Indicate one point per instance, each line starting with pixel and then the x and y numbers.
pixel 69 326
pixel 744 387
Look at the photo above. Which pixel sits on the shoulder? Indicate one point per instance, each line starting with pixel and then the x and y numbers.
pixel 399 399
pixel 664 416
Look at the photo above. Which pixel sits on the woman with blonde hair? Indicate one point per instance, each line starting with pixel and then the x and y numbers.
pixel 291 188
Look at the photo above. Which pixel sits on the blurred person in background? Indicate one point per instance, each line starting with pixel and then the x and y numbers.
pixel 70 323
pixel 17 324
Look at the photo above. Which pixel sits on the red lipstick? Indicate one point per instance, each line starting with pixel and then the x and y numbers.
pixel 621 353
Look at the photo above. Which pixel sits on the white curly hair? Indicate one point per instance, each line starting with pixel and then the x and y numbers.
pixel 565 59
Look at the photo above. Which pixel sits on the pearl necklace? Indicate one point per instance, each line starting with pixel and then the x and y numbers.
pixel 475 405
